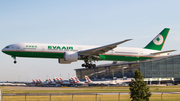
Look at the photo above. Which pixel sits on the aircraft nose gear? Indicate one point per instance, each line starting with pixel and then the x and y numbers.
pixel 14 59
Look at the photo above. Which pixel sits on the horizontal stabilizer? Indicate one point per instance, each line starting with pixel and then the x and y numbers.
pixel 161 52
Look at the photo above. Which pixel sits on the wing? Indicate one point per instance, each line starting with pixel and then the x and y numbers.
pixel 101 50
pixel 161 52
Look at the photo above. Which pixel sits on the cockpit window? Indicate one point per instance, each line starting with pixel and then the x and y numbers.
pixel 7 47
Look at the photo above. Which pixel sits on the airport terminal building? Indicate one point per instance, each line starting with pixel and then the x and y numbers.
pixel 164 67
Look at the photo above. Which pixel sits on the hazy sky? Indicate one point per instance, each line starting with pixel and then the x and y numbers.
pixel 83 22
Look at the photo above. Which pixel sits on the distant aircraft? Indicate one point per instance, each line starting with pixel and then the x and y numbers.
pixel 38 81
pixel 71 53
pixel 73 81
pixel 109 82
pixel 50 81
pixel 123 80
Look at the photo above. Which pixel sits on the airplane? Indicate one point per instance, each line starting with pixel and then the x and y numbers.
pixel 109 82
pixel 124 80
pixel 38 81
pixel 71 53
pixel 12 84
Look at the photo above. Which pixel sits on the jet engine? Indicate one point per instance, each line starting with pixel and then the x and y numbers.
pixel 69 57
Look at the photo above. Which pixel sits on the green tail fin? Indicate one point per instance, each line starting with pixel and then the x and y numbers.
pixel 158 42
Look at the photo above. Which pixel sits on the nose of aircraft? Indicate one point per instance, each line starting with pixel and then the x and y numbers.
pixel 3 50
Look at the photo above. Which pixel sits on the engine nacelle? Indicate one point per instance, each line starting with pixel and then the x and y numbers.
pixel 69 57
pixel 61 61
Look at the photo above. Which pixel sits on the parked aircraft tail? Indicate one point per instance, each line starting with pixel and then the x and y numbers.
pixel 33 81
pixel 72 80
pixel 50 81
pixel 77 80
pixel 158 42
pixel 56 80
pixel 39 80
pixel 88 79
pixel 61 80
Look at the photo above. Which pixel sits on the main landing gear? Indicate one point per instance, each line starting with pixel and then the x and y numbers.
pixel 88 64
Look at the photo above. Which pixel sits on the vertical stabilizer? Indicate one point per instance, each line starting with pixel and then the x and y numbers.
pixel 61 80
pixel 88 79
pixel 77 80
pixel 158 42
pixel 72 80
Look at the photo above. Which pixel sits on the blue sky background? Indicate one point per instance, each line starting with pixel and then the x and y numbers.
pixel 80 22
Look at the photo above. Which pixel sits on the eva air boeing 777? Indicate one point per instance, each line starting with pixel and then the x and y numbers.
pixel 71 53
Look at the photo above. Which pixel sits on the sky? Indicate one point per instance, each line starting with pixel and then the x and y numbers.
pixel 81 22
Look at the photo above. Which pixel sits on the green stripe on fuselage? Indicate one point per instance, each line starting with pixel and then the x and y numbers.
pixel 61 55
pixel 122 58
pixel 35 54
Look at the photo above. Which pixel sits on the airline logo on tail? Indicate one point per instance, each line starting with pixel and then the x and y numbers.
pixel 39 81
pixel 87 79
pixel 33 81
pixel 158 40
pixel 56 80
pixel 50 81
pixel 61 80
pixel 72 80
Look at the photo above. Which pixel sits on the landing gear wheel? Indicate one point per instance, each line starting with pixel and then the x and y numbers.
pixel 83 65
pixel 88 64
pixel 94 65
pixel 15 62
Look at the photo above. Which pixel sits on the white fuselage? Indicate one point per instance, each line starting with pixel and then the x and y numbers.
pixel 21 49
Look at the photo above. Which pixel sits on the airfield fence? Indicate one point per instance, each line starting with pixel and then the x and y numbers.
pixel 83 97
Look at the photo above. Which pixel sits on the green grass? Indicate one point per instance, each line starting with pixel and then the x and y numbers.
pixel 157 97
pixel 91 90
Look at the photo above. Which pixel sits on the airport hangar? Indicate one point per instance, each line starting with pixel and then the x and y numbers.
pixel 164 69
